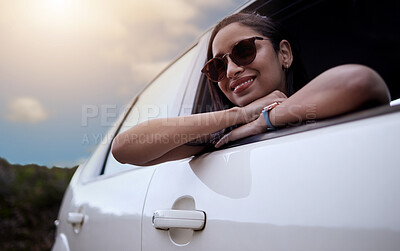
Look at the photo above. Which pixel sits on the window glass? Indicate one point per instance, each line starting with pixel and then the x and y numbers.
pixel 162 98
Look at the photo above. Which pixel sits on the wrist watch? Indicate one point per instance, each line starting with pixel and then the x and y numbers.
pixel 265 112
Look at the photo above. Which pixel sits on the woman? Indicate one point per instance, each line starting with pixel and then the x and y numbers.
pixel 252 72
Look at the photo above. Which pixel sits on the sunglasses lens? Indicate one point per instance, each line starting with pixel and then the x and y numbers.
pixel 215 69
pixel 244 52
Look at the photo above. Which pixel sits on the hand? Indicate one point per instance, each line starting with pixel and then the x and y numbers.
pixel 253 128
pixel 253 119
pixel 252 111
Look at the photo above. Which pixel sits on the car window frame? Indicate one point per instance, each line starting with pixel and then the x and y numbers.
pixel 196 77
pixel 188 77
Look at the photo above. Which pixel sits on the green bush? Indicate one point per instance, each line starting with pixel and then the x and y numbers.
pixel 30 196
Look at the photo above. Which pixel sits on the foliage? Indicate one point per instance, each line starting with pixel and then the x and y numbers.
pixel 30 196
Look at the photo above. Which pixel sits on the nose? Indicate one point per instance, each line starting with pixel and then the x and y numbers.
pixel 232 69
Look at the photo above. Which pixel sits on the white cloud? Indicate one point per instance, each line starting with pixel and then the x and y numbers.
pixel 26 110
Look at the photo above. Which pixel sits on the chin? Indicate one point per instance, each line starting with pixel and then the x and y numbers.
pixel 243 102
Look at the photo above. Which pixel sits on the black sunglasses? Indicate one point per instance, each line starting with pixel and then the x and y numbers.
pixel 243 53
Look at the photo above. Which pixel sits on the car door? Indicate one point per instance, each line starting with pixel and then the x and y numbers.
pixel 102 208
pixel 313 190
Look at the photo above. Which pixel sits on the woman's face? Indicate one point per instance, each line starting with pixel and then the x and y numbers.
pixel 244 84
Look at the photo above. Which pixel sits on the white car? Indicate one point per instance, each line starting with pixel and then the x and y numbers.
pixel 326 185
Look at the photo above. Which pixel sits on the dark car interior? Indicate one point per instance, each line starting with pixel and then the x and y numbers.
pixel 335 32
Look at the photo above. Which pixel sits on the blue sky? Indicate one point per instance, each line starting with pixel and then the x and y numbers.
pixel 69 67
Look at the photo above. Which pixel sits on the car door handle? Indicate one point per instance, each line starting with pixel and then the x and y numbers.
pixel 186 219
pixel 75 218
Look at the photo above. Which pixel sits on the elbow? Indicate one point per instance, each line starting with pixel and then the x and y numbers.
pixel 367 86
pixel 127 151
pixel 118 149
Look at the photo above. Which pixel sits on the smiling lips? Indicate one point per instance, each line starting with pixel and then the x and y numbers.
pixel 241 84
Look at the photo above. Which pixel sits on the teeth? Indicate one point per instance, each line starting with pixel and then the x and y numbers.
pixel 248 81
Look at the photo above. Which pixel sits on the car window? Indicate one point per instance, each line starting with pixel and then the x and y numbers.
pixel 162 98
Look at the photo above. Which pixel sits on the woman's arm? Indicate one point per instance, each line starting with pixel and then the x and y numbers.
pixel 336 91
pixel 153 139
pixel 160 140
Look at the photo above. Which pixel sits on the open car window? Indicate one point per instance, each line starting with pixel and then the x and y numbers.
pixel 329 33
pixel 162 98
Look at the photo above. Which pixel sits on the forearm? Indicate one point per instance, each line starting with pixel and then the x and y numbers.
pixel 152 139
pixel 339 90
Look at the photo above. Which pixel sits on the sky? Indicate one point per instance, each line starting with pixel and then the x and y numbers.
pixel 68 68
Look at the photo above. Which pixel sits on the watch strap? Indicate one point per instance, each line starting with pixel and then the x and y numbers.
pixel 265 113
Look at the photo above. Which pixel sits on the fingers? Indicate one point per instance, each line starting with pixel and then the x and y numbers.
pixel 279 100
pixel 246 130
pixel 222 141
pixel 252 111
pixel 281 94
pixel 275 96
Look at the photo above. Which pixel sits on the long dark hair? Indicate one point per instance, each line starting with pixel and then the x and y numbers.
pixel 295 75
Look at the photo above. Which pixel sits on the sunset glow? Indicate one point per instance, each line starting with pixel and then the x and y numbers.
pixel 58 6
